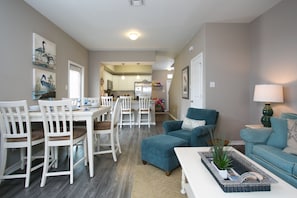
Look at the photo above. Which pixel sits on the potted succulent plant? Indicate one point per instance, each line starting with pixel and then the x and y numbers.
pixel 221 161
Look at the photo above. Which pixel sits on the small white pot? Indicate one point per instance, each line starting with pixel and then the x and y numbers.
pixel 222 173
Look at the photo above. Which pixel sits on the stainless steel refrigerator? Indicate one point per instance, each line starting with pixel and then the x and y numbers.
pixel 143 88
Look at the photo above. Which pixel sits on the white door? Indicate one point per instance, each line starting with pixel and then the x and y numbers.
pixel 197 82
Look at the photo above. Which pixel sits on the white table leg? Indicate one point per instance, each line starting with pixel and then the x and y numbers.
pixel 90 126
pixel 183 182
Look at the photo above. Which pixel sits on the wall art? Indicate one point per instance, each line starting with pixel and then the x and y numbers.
pixel 185 82
pixel 44 84
pixel 44 52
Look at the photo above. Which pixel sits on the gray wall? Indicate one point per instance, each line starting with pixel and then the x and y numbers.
pixel 238 56
pixel 226 62
pixel 17 22
pixel 274 56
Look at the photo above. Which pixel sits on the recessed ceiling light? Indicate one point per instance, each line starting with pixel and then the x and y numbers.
pixel 136 2
pixel 133 35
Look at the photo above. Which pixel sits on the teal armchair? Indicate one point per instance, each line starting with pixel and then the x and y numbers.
pixel 198 136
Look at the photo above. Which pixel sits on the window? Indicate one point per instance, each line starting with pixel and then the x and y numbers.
pixel 75 80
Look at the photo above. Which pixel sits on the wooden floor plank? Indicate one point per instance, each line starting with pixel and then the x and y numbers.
pixel 111 180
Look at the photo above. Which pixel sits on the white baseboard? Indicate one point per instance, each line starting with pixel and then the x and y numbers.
pixel 236 142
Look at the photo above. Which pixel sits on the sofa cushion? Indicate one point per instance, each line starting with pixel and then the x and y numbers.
pixel 189 124
pixel 278 137
pixel 292 137
pixel 184 134
pixel 275 156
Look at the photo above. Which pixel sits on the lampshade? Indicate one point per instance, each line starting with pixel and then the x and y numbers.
pixel 268 93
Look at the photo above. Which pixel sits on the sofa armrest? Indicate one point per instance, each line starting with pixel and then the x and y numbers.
pixel 254 136
pixel 201 135
pixel 171 125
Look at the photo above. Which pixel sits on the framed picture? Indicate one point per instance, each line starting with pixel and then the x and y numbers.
pixel 44 84
pixel 44 52
pixel 185 82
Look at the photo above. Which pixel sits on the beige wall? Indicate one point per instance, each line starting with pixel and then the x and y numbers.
pixel 17 22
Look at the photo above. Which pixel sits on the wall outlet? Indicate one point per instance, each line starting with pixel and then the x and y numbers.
pixel 212 84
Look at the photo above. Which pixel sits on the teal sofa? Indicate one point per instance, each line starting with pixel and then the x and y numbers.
pixel 197 136
pixel 265 146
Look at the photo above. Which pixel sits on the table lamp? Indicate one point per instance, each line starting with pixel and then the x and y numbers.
pixel 268 93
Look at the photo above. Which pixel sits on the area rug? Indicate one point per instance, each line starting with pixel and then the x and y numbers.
pixel 151 182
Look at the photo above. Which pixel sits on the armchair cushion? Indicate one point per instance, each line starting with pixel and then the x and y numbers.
pixel 278 137
pixel 190 124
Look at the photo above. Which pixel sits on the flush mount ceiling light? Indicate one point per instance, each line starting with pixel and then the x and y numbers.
pixel 136 3
pixel 133 36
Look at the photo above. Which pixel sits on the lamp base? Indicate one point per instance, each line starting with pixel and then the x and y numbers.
pixel 267 113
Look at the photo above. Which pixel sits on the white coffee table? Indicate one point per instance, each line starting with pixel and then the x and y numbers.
pixel 197 181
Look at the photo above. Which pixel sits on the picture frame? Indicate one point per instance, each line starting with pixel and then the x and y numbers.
pixel 44 84
pixel 185 82
pixel 44 52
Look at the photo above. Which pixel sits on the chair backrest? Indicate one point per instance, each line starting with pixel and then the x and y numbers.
pixel 57 118
pixel 116 113
pixel 107 101
pixel 144 103
pixel 14 120
pixel 126 102
pixel 209 115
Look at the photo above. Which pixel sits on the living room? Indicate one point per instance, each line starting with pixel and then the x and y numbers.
pixel 237 56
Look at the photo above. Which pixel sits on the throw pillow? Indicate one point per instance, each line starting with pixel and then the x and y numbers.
pixel 292 137
pixel 190 124
pixel 278 137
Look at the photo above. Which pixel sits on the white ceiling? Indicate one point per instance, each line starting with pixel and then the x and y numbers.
pixel 165 26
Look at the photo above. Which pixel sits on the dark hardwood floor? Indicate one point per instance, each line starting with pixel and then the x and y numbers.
pixel 111 180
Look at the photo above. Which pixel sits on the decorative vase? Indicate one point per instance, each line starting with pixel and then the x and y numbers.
pixel 222 173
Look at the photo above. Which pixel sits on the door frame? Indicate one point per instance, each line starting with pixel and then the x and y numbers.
pixel 197 74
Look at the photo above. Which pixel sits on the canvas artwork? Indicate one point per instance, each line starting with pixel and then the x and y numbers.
pixel 44 52
pixel 185 82
pixel 44 84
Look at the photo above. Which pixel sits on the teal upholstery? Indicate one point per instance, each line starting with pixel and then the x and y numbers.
pixel 198 136
pixel 279 135
pixel 266 145
pixel 158 150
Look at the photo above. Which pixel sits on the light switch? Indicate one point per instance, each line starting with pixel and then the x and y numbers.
pixel 212 84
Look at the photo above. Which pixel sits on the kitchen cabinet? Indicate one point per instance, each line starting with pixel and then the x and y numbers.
pixel 127 84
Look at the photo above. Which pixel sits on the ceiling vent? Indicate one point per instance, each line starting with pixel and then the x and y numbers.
pixel 136 3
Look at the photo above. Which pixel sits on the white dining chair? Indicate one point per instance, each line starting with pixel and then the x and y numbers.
pixel 107 101
pixel 59 131
pixel 16 132
pixel 126 109
pixel 144 108
pixel 110 129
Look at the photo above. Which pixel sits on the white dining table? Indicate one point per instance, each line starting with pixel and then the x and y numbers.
pixel 87 114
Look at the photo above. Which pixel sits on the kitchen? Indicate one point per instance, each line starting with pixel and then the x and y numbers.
pixel 136 79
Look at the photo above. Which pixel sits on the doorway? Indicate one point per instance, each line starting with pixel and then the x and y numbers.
pixel 197 95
